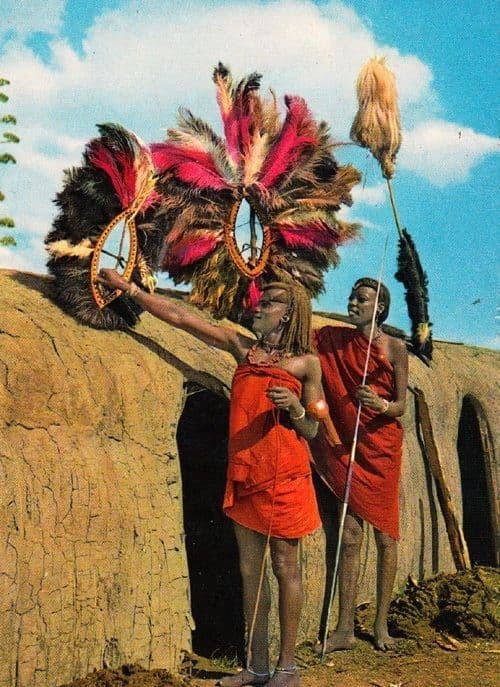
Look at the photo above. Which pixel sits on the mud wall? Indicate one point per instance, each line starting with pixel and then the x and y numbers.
pixel 93 568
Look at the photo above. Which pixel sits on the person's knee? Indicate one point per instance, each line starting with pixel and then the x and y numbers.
pixel 384 541
pixel 352 537
pixel 250 563
pixel 285 567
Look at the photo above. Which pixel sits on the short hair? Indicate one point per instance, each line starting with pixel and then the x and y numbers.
pixel 297 337
pixel 384 297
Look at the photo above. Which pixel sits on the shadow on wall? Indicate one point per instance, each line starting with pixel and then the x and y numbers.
pixel 476 460
pixel 210 543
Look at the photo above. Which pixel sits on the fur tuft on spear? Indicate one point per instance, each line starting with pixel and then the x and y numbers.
pixel 377 126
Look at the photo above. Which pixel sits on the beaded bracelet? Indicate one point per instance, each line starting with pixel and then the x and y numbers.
pixel 299 416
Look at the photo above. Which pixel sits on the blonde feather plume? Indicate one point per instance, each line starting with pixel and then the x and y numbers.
pixel 377 124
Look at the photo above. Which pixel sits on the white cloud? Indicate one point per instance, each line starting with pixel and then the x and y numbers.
pixel 141 62
pixel 443 152
pixel 23 17
pixel 369 195
pixel 11 258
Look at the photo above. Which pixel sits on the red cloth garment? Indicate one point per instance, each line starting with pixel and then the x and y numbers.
pixel 374 493
pixel 269 482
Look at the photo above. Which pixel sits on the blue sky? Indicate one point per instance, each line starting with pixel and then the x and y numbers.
pixel 75 64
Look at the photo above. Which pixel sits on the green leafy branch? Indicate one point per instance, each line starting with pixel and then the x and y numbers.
pixel 8 138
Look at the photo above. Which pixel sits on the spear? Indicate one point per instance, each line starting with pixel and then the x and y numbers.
pixel 377 126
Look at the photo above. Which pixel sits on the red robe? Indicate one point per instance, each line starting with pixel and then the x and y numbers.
pixel 269 483
pixel 374 493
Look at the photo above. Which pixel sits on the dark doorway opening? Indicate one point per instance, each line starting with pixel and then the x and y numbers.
pixel 475 457
pixel 210 543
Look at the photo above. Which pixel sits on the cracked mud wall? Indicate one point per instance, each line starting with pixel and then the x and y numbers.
pixel 92 564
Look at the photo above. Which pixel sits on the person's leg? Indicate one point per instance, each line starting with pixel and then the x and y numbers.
pixel 251 546
pixel 284 556
pixel 387 561
pixel 343 637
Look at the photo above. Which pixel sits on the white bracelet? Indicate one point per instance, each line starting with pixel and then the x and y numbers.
pixel 386 406
pixel 299 416
pixel 133 290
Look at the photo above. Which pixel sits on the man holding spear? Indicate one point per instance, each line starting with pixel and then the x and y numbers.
pixel 365 373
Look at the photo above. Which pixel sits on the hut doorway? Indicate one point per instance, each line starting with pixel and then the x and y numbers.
pixel 476 460
pixel 210 543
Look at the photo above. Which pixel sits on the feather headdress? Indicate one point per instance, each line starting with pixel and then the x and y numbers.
pixel 377 126
pixel 116 175
pixel 285 171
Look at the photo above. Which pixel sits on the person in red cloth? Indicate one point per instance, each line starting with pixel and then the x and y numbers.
pixel 374 491
pixel 269 492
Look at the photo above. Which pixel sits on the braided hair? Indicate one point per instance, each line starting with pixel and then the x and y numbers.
pixel 296 337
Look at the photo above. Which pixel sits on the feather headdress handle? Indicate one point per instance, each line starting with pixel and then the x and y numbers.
pixel 377 126
pixel 283 168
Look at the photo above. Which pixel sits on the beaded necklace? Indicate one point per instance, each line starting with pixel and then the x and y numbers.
pixel 274 354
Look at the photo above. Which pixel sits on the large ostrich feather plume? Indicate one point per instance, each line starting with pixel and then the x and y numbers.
pixel 283 167
pixel 115 172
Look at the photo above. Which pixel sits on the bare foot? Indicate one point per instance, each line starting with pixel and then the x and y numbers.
pixel 245 677
pixel 337 641
pixel 284 678
pixel 383 641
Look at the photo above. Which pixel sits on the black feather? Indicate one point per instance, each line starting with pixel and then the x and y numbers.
pixel 87 203
pixel 411 274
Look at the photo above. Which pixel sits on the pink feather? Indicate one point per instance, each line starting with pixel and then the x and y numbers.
pixel 192 166
pixel 225 100
pixel 252 296
pixel 298 131
pixel 188 250
pixel 307 235
pixel 238 122
pixel 118 166
pixel 231 134
pixel 153 199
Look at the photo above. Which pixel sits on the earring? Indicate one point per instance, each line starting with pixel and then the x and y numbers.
pixel 285 318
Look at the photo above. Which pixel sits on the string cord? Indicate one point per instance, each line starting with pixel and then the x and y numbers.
pixel 276 415
pixel 352 458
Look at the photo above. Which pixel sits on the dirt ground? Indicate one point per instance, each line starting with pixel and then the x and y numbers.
pixel 471 664
pixel 448 633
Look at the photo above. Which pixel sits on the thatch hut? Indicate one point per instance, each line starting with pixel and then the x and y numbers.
pixel 112 456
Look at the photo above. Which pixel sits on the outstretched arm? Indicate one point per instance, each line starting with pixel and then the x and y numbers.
pixel 169 311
